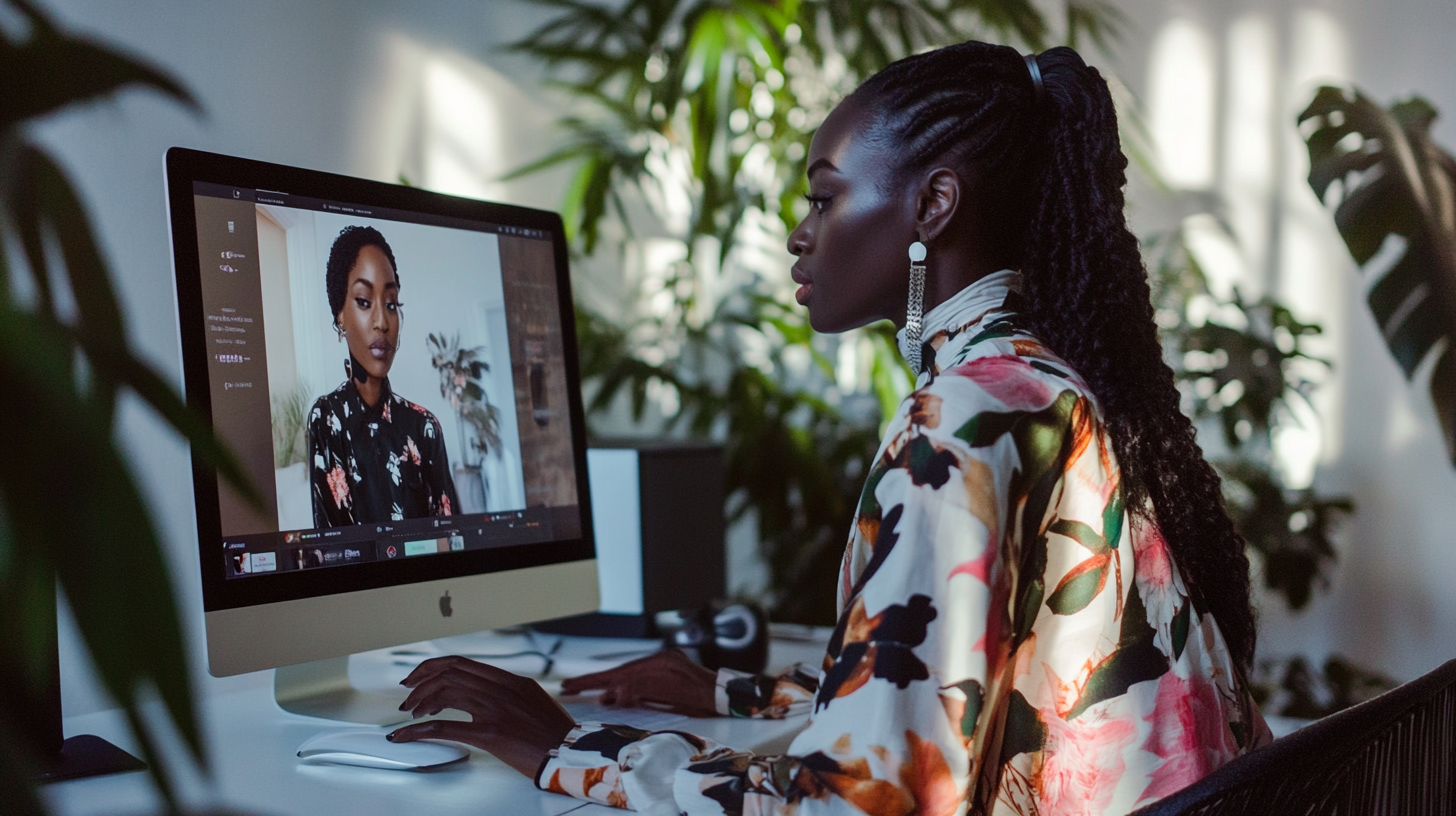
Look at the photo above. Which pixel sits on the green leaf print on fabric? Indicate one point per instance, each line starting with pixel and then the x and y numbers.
pixel 1081 585
pixel 1112 518
pixel 1180 630
pixel 869 506
pixel 975 697
pixel 994 330
pixel 983 429
pixel 1082 534
pixel 1025 733
pixel 1136 659
pixel 1052 370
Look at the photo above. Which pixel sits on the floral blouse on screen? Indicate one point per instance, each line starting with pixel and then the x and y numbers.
pixel 384 463
pixel 1010 639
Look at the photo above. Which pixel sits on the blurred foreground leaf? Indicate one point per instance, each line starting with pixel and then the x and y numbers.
pixel 70 511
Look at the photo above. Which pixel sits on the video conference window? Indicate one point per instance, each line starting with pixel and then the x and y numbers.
pixel 397 387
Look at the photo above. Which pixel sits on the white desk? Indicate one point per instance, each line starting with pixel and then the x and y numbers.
pixel 251 743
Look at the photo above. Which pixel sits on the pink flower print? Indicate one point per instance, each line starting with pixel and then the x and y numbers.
pixel 339 486
pixel 1083 762
pixel 1009 379
pixel 1189 732
pixel 1158 582
pixel 445 504
pixel 411 452
pixel 386 413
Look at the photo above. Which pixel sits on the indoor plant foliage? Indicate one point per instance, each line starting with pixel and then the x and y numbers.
pixel 461 370
pixel 701 112
pixel 1393 192
pixel 69 511
pixel 1240 365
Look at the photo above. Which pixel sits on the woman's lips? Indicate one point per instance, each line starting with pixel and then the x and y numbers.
pixel 379 349
pixel 806 284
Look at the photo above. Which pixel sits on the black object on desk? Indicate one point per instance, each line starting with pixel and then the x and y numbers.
pixel 678 496
pixel 40 719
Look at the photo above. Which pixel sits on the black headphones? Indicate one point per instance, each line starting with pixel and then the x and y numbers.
pixel 724 636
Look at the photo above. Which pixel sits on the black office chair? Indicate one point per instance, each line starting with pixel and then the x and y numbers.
pixel 1395 754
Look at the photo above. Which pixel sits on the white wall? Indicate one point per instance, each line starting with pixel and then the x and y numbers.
pixel 326 84
pixel 1389 605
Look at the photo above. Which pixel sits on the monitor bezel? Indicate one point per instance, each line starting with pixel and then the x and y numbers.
pixel 185 166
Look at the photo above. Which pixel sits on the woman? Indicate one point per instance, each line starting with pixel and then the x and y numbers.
pixel 1044 608
pixel 375 456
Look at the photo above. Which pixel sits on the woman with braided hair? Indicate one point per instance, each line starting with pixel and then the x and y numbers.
pixel 1044 608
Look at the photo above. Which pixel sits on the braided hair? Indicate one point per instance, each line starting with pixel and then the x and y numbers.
pixel 1048 173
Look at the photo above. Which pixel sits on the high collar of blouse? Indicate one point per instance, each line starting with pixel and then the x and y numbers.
pixel 965 307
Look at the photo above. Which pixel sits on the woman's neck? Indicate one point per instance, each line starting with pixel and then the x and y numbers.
pixel 370 390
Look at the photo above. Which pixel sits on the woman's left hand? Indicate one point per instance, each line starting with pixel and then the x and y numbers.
pixel 511 716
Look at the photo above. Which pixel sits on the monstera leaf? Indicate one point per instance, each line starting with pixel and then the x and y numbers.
pixel 1392 190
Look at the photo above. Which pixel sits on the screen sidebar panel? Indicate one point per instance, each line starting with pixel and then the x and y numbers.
pixel 538 368
pixel 237 367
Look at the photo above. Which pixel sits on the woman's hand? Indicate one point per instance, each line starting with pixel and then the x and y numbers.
pixel 667 679
pixel 511 716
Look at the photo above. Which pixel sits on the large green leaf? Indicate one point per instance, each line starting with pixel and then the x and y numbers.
pixel 1390 184
pixel 70 513
pixel 75 70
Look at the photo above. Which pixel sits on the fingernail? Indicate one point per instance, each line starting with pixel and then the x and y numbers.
pixel 402 705
pixel 389 736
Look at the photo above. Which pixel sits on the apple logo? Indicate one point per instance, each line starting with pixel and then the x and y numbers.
pixel 445 604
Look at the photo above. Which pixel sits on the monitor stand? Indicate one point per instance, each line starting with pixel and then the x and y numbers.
pixel 322 689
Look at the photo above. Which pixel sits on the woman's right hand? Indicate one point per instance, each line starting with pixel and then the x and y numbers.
pixel 667 679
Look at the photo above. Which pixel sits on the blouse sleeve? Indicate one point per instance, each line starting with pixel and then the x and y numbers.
pixel 740 694
pixel 896 714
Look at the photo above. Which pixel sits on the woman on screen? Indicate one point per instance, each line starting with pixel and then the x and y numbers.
pixel 1044 608
pixel 374 456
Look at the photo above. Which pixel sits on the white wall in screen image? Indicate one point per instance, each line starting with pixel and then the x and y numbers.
pixel 450 285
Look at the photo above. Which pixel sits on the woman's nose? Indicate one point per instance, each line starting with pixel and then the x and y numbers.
pixel 799 240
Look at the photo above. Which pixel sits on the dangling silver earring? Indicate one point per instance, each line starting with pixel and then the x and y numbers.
pixel 915 307
pixel 339 332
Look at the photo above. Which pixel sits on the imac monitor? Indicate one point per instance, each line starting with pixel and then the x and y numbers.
pixel 396 370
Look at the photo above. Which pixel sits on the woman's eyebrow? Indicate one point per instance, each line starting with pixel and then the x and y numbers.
pixel 821 163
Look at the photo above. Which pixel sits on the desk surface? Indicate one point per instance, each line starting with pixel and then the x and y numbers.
pixel 251 743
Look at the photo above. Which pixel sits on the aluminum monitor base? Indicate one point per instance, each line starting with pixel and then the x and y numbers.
pixel 322 689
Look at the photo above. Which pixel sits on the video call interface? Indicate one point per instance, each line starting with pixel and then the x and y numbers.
pixel 394 382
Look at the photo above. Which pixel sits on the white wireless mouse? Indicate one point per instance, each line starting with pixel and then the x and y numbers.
pixel 368 748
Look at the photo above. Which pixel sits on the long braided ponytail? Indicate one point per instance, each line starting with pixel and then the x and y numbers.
pixel 1051 166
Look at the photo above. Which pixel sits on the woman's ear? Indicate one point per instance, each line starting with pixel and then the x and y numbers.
pixel 936 202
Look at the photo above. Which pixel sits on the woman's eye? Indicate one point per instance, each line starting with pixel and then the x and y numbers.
pixel 363 303
pixel 393 306
pixel 819 203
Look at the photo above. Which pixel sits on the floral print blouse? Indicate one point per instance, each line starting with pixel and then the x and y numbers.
pixel 1010 640
pixel 384 463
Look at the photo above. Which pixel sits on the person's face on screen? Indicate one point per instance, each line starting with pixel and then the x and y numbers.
pixel 370 316
pixel 851 247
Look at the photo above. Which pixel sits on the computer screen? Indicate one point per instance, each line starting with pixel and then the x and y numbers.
pixel 396 370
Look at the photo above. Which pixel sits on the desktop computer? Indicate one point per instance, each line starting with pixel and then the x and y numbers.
pixel 397 371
